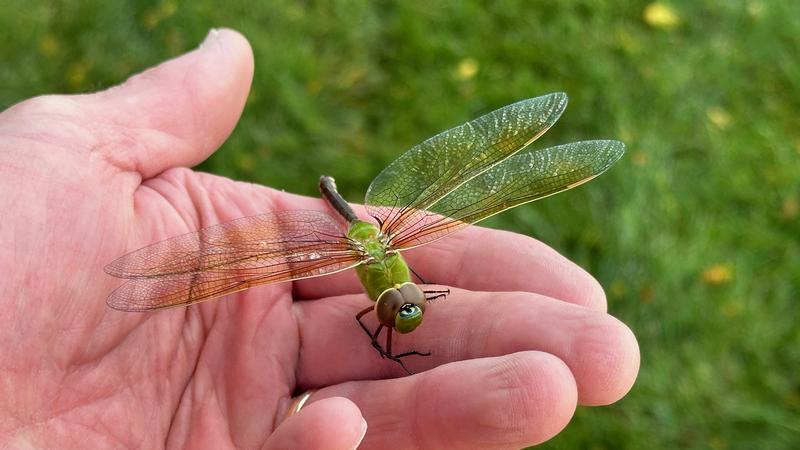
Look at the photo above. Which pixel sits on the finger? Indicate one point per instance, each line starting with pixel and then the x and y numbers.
pixel 177 113
pixel 511 401
pixel 474 258
pixel 601 351
pixel 482 259
pixel 331 423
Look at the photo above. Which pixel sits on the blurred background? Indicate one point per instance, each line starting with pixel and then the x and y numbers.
pixel 694 234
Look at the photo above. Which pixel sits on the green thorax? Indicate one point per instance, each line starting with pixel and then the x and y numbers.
pixel 383 271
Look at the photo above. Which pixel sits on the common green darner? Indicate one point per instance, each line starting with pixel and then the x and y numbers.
pixel 451 180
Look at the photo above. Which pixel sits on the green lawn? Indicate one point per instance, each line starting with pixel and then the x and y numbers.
pixel 694 233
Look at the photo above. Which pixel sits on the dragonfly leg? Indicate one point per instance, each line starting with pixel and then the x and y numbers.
pixel 418 275
pixel 395 358
pixel 360 315
pixel 372 336
pixel 387 353
pixel 435 295
pixel 375 343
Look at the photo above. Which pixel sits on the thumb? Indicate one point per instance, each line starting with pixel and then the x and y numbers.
pixel 177 113
pixel 332 423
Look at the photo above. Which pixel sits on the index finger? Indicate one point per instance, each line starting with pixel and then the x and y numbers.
pixel 474 258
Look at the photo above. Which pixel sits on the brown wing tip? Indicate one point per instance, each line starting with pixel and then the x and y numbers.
pixel 124 307
pixel 113 269
pixel 117 300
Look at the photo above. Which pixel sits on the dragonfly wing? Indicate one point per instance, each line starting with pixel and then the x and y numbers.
pixel 144 294
pixel 429 171
pixel 232 256
pixel 522 178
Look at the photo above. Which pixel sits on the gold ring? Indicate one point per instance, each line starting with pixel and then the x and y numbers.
pixel 298 403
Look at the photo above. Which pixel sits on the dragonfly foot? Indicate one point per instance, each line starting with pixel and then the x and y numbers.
pixel 413 352
pixel 399 361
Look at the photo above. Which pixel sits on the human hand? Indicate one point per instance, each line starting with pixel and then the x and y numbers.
pixel 87 178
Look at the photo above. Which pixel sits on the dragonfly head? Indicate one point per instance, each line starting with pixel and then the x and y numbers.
pixel 401 307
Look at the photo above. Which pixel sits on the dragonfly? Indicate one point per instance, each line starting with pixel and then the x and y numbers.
pixel 450 181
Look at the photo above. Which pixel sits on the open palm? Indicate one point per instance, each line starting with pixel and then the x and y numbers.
pixel 84 179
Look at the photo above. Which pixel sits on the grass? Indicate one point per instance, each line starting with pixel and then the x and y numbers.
pixel 694 233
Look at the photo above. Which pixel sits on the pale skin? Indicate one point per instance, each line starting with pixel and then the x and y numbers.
pixel 522 339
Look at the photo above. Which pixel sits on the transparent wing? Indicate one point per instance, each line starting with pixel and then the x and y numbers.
pixel 429 171
pixel 522 178
pixel 230 257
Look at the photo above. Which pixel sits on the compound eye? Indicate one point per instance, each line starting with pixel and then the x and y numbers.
pixel 408 318
pixel 388 306
pixel 413 294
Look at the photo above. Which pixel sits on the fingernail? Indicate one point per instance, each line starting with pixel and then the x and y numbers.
pixel 210 37
pixel 363 433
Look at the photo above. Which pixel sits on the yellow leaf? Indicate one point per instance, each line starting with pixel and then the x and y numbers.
pixel 719 117
pixel 467 68
pixel 718 274
pixel 660 15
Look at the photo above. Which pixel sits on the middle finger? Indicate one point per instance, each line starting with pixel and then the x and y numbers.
pixel 600 351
